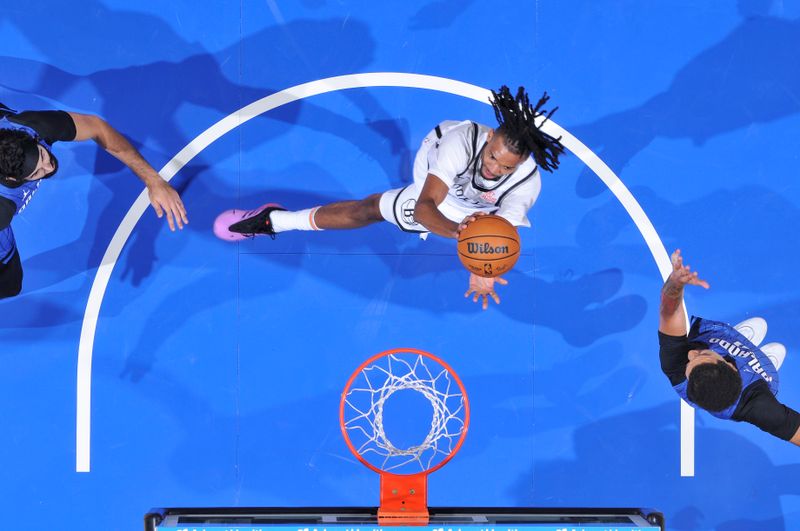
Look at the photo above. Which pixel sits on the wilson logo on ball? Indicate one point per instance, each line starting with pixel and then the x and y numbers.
pixel 488 246
pixel 485 248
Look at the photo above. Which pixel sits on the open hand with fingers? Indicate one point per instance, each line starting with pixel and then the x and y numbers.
pixel 165 199
pixel 482 287
pixel 682 274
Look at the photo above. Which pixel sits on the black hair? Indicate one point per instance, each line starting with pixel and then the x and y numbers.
pixel 714 386
pixel 12 153
pixel 517 123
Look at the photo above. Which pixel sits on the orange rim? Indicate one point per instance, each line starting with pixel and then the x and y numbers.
pixel 451 372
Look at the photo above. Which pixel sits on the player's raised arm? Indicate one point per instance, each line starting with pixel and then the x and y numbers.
pixel 671 319
pixel 163 197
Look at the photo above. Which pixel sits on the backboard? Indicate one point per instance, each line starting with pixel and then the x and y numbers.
pixel 441 519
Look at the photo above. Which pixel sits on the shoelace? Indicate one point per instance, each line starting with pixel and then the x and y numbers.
pixel 251 213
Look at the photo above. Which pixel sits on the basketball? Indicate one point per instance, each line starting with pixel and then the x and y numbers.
pixel 489 246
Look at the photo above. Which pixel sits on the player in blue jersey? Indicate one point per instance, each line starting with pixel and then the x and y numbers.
pixel 717 367
pixel 26 159
pixel 461 170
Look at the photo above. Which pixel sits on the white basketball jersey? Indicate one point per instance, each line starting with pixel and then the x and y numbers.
pixel 452 152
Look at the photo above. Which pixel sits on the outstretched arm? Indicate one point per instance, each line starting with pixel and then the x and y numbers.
pixel 163 197
pixel 671 319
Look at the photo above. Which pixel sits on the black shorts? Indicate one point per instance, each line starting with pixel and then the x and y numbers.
pixel 11 277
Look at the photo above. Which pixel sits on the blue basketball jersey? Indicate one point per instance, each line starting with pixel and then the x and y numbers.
pixel 21 195
pixel 752 364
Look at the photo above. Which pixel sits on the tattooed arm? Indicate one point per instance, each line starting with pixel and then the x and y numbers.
pixel 672 315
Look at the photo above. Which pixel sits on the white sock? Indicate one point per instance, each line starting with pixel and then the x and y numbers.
pixel 300 220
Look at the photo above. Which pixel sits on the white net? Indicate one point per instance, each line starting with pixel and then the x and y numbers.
pixel 364 409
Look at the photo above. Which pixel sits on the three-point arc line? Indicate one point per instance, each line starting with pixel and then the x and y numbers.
pixel 299 92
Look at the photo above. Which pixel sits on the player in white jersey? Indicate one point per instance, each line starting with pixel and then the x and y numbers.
pixel 462 170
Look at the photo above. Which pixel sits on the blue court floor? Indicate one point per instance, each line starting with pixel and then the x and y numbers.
pixel 216 369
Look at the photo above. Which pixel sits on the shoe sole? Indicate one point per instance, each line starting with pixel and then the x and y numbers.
pixel 776 352
pixel 754 329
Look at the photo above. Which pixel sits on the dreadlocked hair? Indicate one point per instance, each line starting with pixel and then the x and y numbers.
pixel 12 155
pixel 517 123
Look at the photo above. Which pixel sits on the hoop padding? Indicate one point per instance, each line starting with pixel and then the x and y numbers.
pixel 361 411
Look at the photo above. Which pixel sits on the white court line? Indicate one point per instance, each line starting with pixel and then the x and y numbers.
pixel 314 88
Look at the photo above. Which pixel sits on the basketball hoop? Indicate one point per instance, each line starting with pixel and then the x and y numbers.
pixel 403 471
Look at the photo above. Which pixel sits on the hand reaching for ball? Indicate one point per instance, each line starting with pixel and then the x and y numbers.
pixel 467 220
pixel 484 287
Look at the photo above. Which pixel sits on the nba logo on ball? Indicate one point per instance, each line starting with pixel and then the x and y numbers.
pixel 489 246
